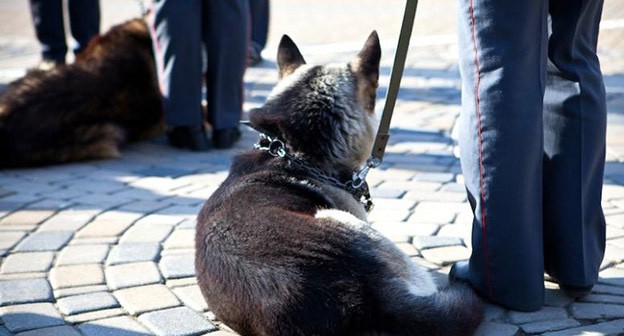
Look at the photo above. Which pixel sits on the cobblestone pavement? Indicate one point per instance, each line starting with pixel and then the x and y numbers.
pixel 106 248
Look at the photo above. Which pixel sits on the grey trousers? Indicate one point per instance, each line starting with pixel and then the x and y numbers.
pixel 532 140
pixel 181 28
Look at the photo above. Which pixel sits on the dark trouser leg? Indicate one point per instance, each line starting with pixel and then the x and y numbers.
pixel 503 67
pixel 226 34
pixel 259 23
pixel 84 21
pixel 574 145
pixel 177 30
pixel 48 21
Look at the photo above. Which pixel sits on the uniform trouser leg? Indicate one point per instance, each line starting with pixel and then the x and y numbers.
pixel 177 43
pixel 84 21
pixel 226 34
pixel 574 145
pixel 503 67
pixel 48 22
pixel 259 22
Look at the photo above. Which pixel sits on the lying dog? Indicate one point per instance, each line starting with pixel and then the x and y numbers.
pixel 282 248
pixel 85 110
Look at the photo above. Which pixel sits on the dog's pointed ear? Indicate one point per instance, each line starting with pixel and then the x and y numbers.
pixel 288 57
pixel 367 61
pixel 263 121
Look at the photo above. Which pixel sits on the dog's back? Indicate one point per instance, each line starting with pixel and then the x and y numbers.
pixel 282 248
pixel 87 109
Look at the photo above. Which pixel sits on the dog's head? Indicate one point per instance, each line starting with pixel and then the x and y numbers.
pixel 324 114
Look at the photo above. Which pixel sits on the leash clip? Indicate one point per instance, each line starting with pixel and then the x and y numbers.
pixel 273 146
pixel 358 179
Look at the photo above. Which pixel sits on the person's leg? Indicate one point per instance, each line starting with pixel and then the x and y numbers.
pixel 84 21
pixel 226 33
pixel 49 29
pixel 176 32
pixel 574 146
pixel 503 67
pixel 259 23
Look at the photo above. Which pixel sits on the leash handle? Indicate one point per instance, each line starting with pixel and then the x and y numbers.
pixel 383 135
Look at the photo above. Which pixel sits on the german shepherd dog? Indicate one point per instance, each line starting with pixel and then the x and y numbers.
pixel 87 109
pixel 282 248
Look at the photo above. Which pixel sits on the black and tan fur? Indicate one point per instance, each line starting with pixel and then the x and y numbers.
pixel 279 251
pixel 87 109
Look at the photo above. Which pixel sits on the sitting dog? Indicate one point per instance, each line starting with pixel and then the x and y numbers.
pixel 87 109
pixel 283 248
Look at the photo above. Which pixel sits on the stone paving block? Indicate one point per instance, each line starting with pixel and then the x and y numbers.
pixel 434 177
pixel 72 291
pixel 410 185
pixel 546 313
pixel 182 282
pixel 395 232
pixel 422 196
pixel 605 289
pixel 95 315
pixel 24 291
pixel 606 328
pixel 64 330
pixel 428 242
pixel 76 275
pixel 83 303
pixel 493 312
pixel 138 300
pixel 495 328
pixel 192 297
pixel 177 266
pixel 10 239
pixel 146 233
pixel 82 254
pixel 589 311
pixel 549 325
pixel 27 262
pixel 111 223
pixel 133 252
pixel 462 231
pixel 446 255
pixel 389 215
pixel 94 241
pixel 30 316
pixel 394 204
pixel 433 212
pixel 377 193
pixel 44 241
pixel 26 217
pixel 180 239
pixel 190 223
pixel 114 326
pixel 71 219
pixel 179 321
pixel 602 298
pixel 612 276
pixel 134 274
pixel 159 171
pixel 143 206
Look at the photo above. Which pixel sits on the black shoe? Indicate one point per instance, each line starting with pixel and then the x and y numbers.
pixel 189 137
pixel 459 272
pixel 225 138
pixel 253 56
pixel 575 292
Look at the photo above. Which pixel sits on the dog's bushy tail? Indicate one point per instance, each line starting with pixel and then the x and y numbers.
pixel 453 311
